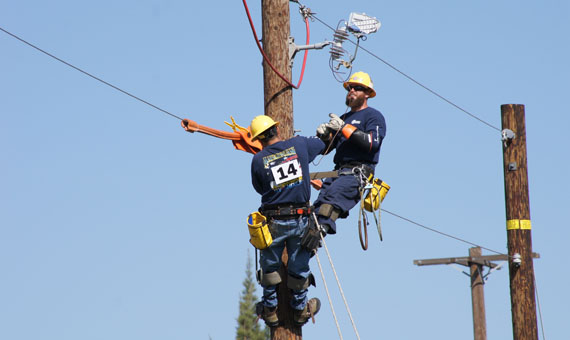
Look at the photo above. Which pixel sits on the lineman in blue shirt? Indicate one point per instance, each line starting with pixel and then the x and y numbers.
pixel 280 174
pixel 357 137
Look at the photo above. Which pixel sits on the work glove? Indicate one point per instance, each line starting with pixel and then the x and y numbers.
pixel 335 122
pixel 322 129
pixel 324 133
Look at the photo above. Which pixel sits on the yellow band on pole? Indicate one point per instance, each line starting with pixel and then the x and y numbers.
pixel 518 224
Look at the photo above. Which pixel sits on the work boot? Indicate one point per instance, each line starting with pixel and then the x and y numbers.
pixel 269 315
pixel 300 317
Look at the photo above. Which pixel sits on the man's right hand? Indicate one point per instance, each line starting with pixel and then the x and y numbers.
pixel 324 133
pixel 322 130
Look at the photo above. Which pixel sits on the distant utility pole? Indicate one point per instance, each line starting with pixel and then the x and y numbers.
pixel 519 240
pixel 278 103
pixel 475 261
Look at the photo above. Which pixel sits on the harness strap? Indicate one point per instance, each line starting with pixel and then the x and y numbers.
pixel 324 174
pixel 345 169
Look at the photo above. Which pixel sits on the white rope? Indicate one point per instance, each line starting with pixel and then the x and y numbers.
pixel 339 287
pixel 329 297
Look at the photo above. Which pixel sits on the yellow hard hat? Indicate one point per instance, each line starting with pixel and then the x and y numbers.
pixel 260 124
pixel 361 78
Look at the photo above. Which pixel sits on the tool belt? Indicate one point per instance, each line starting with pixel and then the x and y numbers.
pixel 286 211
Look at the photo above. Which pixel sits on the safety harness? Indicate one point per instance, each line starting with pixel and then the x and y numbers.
pixel 372 191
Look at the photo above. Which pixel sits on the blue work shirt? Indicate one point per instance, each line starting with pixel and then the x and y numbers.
pixel 370 121
pixel 280 172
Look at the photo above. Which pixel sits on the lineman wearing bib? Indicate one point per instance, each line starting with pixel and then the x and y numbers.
pixel 280 174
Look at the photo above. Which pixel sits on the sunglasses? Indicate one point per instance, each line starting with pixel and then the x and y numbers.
pixel 356 88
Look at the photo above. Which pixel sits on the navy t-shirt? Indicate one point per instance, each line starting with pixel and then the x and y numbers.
pixel 280 172
pixel 370 121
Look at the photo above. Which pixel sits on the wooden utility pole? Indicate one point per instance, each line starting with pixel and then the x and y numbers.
pixel 278 103
pixel 475 262
pixel 278 95
pixel 477 296
pixel 519 241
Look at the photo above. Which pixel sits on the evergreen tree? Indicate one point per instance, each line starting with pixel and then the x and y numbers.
pixel 248 328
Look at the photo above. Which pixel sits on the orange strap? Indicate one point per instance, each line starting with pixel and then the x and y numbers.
pixel 192 126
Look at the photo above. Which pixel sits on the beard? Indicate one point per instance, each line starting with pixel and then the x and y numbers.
pixel 354 102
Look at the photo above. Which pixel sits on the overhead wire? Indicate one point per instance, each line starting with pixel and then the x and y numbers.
pixel 412 79
pixel 296 87
pixel 389 212
pixel 439 96
pixel 440 232
pixel 175 116
pixel 88 74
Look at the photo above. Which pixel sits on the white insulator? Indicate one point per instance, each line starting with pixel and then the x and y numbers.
pixel 336 50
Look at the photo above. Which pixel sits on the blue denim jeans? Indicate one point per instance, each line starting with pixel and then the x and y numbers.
pixel 286 233
pixel 343 193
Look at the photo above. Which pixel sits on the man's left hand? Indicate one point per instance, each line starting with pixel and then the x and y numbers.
pixel 335 122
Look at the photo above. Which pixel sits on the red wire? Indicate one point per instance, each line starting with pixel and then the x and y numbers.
pixel 306 53
pixel 265 56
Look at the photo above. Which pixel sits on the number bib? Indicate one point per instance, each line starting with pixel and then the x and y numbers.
pixel 287 171
pixel 285 168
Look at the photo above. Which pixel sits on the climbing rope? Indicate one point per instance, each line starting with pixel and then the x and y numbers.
pixel 340 288
pixel 337 281
pixel 328 296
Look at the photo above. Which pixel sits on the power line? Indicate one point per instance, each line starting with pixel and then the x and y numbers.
pixel 440 232
pixel 88 74
pixel 175 116
pixel 413 80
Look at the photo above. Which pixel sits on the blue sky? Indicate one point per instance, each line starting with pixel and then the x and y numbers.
pixel 117 224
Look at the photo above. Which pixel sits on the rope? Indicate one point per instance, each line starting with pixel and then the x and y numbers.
pixel 340 287
pixel 329 296
pixel 265 56
pixel 539 309
pixel 89 74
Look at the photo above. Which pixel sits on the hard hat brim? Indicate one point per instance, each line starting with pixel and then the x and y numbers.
pixel 371 92
pixel 256 136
